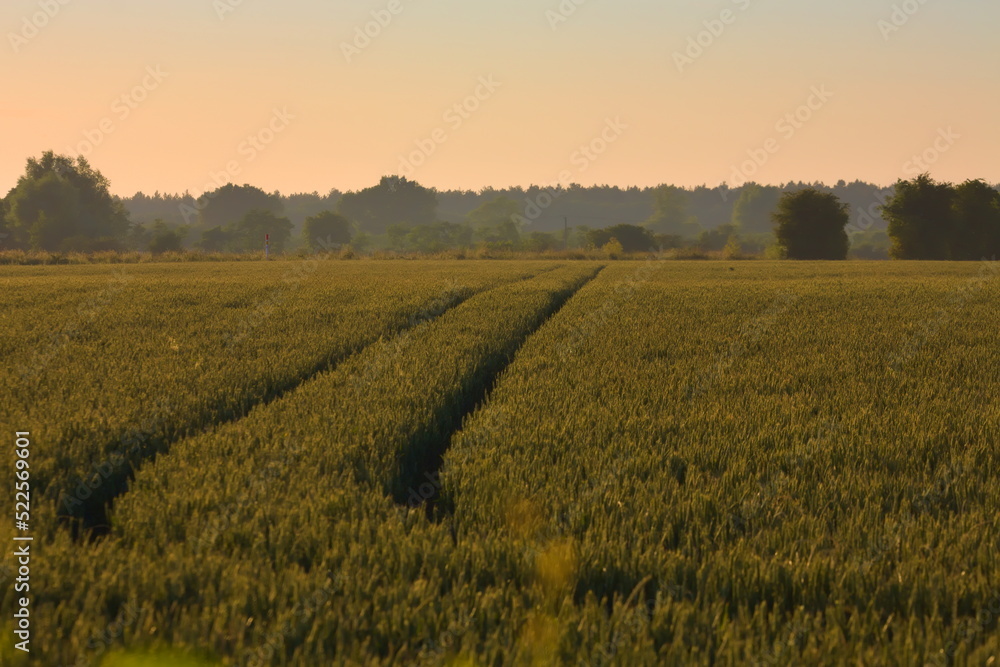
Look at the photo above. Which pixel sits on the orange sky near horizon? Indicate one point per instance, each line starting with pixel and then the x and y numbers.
pixel 287 96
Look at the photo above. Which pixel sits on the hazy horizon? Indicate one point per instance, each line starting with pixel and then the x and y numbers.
pixel 534 83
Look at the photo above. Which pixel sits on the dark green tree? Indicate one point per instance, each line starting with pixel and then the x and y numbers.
pixel 230 203
pixel 397 234
pixel 668 241
pixel 543 241
pixel 139 237
pixel 252 228
pixel 302 205
pixel 175 210
pixel 461 234
pixel 632 237
pixel 326 230
pixel 43 213
pixel 919 214
pixel 716 239
pixel 64 204
pixel 809 224
pixel 975 212
pixel 361 241
pixel 426 239
pixel 5 239
pixel 216 239
pixel 438 236
pixel 505 235
pixel 165 238
pixel 394 200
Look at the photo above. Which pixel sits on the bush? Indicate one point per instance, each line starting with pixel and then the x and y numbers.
pixel 632 238
pixel 810 225
pixel 613 249
pixel 732 249
pixel 326 231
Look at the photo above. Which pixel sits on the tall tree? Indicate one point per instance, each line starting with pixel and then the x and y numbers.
pixel 754 207
pixel 671 213
pixel 920 218
pixel 809 224
pixel 438 236
pixel 231 203
pixel 252 228
pixel 64 204
pixel 975 210
pixel 325 230
pixel 217 239
pixel 175 210
pixel 165 238
pixel 302 205
pixel 5 240
pixel 393 200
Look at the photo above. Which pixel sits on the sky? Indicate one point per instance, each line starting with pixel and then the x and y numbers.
pixel 309 95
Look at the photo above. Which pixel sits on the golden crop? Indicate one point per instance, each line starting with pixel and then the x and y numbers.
pixel 502 463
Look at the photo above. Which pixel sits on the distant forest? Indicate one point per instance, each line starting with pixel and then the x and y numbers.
pixel 594 207
pixel 701 215
pixel 65 205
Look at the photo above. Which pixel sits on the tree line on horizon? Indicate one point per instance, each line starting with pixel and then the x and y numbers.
pixel 61 204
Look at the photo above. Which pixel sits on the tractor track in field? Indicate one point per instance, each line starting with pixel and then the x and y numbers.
pixel 87 515
pixel 417 483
